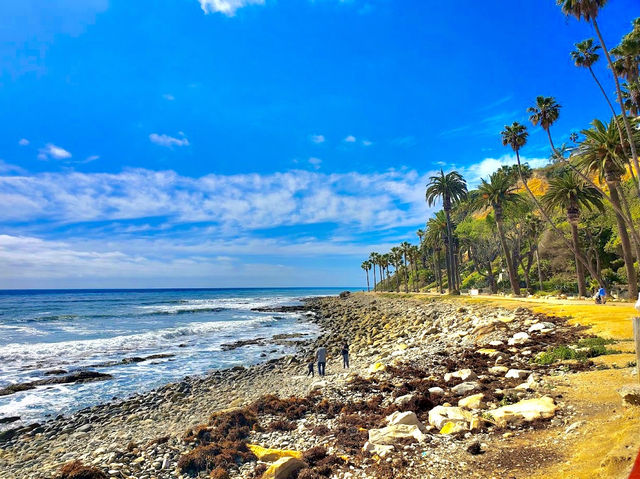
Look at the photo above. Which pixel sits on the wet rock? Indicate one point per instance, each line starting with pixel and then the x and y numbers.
pixel 77 377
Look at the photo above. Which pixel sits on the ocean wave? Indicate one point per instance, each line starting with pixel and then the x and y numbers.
pixel 35 354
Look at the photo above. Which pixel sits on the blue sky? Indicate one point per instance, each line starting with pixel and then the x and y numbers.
pixel 259 142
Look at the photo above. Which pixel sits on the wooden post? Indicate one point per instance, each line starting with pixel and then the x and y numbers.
pixel 636 340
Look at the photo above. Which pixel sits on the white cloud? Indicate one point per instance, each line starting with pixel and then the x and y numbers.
pixel 317 139
pixel 367 143
pixel 23 142
pixel 53 151
pixel 168 97
pixel 168 141
pixel 240 202
pixel 226 7
pixel 350 139
pixel 483 169
pixel 315 162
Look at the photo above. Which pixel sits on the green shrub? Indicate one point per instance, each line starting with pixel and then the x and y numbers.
pixel 474 280
pixel 586 348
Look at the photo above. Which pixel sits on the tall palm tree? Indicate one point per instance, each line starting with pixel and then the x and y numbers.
pixel 405 252
pixel 584 56
pixel 571 193
pixel 366 266
pixel 499 191
pixel 373 258
pixel 414 254
pixel 588 10
pixel 601 153
pixel 396 260
pixel 515 135
pixel 436 231
pixel 544 113
pixel 451 189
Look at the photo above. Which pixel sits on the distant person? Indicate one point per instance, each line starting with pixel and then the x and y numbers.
pixel 321 358
pixel 602 296
pixel 310 367
pixel 345 356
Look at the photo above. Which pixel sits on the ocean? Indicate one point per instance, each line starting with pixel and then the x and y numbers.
pixel 104 330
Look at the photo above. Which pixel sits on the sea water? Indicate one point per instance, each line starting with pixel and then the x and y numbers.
pixel 42 331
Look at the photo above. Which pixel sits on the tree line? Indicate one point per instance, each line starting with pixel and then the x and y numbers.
pixel 568 227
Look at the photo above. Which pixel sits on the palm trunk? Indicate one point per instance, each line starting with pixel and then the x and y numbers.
pixel 626 245
pixel 375 281
pixel 539 269
pixel 625 120
pixel 582 287
pixel 582 259
pixel 439 271
pixel 625 203
pixel 367 271
pixel 450 252
pixel 447 264
pixel 513 278
pixel 491 278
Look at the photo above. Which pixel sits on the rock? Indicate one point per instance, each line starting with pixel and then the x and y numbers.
pixel 630 394
pixel 76 377
pixel 516 374
pixel 464 388
pixel 475 448
pixel 283 468
pixel 440 415
pixel 380 449
pixel 526 410
pixel 392 434
pixel 543 327
pixel 498 370
pixel 436 391
pixel 270 455
pixel 408 418
pixel 402 401
pixel 464 374
pixel 518 338
pixel 472 402
pixel 488 352
pixel 85 428
pixel 574 427
pixel 345 294
pixel 317 386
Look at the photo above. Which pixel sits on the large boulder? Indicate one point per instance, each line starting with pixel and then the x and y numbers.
pixel 408 418
pixel 284 468
pixel 527 410
pixel 392 434
pixel 440 415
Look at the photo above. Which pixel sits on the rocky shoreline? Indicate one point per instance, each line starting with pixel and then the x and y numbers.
pixel 460 380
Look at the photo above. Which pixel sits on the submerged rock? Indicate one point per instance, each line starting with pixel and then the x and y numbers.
pixel 77 377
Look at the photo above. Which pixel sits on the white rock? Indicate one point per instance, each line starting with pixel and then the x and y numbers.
pixel 516 374
pixel 519 338
pixel 498 370
pixel 440 415
pixel 464 388
pixel 471 402
pixel 391 434
pixel 542 327
pixel 436 391
pixel 464 374
pixel 408 418
pixel 380 449
pixel 526 410
pixel 402 401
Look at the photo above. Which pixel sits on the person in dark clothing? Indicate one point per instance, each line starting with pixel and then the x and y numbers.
pixel 310 367
pixel 345 356
pixel 321 358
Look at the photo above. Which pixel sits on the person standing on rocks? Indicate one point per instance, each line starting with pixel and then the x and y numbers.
pixel 311 364
pixel 345 356
pixel 321 358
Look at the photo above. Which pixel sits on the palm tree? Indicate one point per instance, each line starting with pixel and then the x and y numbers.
pixel 585 55
pixel 545 112
pixel 405 252
pixel 396 260
pixel 499 191
pixel 414 254
pixel 601 153
pixel 450 188
pixel 571 193
pixel 366 266
pixel 436 231
pixel 588 10
pixel 373 258
pixel 515 135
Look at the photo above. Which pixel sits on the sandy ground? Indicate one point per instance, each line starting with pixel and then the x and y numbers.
pixel 606 440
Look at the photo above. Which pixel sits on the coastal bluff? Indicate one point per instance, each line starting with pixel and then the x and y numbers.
pixel 438 388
